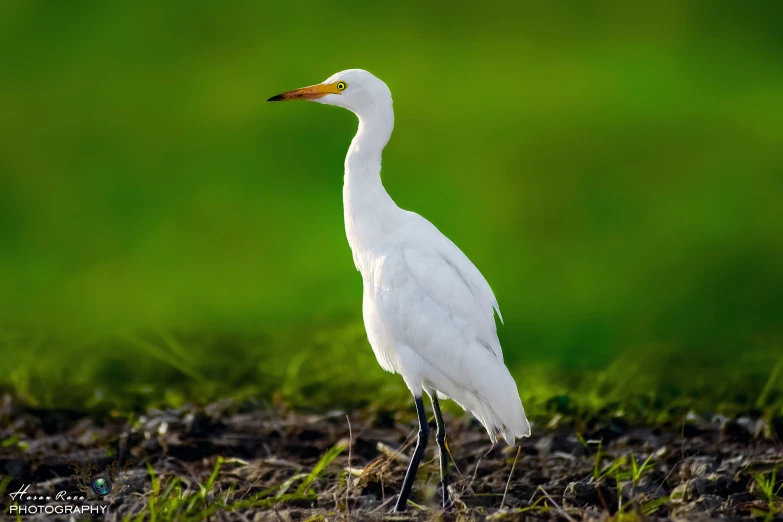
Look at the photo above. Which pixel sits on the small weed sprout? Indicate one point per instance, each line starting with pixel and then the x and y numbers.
pixel 768 491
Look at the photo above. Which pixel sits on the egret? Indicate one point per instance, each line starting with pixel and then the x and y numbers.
pixel 428 311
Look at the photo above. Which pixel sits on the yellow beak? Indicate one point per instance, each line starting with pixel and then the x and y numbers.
pixel 307 93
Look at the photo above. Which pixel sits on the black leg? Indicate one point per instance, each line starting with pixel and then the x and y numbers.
pixel 421 444
pixel 440 438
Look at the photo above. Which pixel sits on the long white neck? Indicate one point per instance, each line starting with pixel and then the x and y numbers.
pixel 369 210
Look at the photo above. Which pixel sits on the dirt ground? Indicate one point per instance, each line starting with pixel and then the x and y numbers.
pixel 240 462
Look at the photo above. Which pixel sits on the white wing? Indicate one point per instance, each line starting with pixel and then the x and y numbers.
pixel 429 316
pixel 439 312
pixel 453 282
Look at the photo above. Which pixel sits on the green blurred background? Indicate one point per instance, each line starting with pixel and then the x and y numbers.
pixel 615 170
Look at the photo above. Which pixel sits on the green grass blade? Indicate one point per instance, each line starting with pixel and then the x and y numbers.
pixel 205 489
pixel 327 457
pixel 762 399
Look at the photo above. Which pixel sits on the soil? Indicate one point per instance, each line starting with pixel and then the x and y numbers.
pixel 698 468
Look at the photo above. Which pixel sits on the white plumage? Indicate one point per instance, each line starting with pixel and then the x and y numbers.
pixel 428 311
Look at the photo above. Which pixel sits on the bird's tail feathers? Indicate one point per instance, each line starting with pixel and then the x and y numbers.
pixel 510 427
pixel 495 403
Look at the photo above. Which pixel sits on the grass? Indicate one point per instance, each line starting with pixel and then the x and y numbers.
pixel 623 468
pixel 770 384
pixel 217 485
pixel 324 366
pixel 769 490
pixel 171 499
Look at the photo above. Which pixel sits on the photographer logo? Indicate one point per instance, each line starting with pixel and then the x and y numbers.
pixel 95 492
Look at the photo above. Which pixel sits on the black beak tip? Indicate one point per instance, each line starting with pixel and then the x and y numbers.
pixel 279 97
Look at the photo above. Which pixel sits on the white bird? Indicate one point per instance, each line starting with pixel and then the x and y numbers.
pixel 428 312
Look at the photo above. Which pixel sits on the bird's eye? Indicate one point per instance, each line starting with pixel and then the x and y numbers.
pixel 341 86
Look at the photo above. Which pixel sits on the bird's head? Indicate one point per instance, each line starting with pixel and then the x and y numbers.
pixel 355 89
